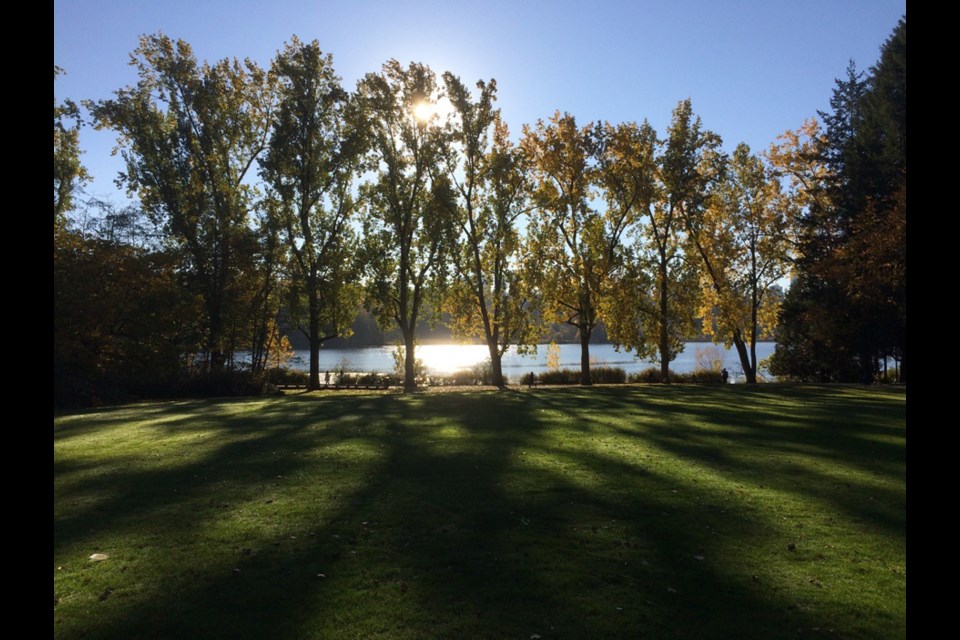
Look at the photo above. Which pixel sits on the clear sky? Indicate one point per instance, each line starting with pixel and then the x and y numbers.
pixel 752 68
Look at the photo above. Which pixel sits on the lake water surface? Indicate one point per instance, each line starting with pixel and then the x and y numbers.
pixel 449 358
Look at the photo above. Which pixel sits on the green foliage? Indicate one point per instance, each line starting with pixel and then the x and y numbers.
pixel 744 237
pixel 189 133
pixel 314 153
pixel 846 309
pixel 601 223
pixel 579 258
pixel 408 226
pixel 490 296
pixel 69 175
pixel 121 322
pixel 688 170
pixel 608 375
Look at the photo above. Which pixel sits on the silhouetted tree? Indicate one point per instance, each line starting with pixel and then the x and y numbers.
pixel 313 156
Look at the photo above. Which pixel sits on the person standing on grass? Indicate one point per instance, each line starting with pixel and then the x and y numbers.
pixel 725 375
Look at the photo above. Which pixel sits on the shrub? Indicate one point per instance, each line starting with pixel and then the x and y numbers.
pixel 226 383
pixel 652 375
pixel 598 375
pixel 608 375
pixel 559 376
pixel 283 375
pixel 699 376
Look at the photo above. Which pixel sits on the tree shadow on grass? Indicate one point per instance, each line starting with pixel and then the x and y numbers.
pixel 835 444
pixel 458 515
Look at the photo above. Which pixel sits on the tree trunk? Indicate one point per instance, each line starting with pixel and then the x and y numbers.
pixel 496 364
pixel 748 370
pixel 409 370
pixel 314 382
pixel 664 333
pixel 584 356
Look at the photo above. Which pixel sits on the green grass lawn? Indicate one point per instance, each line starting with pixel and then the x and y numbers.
pixel 607 512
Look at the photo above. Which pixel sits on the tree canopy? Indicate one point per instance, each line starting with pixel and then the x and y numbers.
pixel 845 313
pixel 276 199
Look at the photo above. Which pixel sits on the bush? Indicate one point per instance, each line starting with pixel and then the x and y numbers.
pixel 282 375
pixel 559 376
pixel 483 372
pixel 608 375
pixel 699 376
pixel 598 375
pixel 226 383
pixel 650 374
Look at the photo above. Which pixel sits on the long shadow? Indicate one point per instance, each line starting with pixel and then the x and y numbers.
pixel 493 530
pixel 831 431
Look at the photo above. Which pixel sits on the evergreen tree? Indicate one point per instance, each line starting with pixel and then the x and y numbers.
pixel 847 307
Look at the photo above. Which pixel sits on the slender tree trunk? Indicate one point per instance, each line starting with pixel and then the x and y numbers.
pixel 664 332
pixel 409 361
pixel 751 369
pixel 314 382
pixel 585 356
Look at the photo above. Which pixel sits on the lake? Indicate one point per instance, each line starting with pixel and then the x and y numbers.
pixel 444 359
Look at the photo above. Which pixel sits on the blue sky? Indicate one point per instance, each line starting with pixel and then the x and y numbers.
pixel 751 68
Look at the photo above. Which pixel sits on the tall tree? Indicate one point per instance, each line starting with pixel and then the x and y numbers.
pixel 409 222
pixel 627 174
pixel 744 239
pixel 688 164
pixel 489 297
pixel 69 174
pixel 189 134
pixel 847 306
pixel 562 228
pixel 313 157
pixel 592 186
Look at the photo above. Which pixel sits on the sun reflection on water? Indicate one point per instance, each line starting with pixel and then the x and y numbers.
pixel 449 358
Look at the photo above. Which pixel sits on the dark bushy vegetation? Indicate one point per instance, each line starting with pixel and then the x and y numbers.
pixel 652 375
pixel 283 375
pixel 598 375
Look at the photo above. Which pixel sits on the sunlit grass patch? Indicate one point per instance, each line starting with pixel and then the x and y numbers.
pixel 660 512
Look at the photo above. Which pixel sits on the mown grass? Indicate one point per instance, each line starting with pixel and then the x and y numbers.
pixel 612 512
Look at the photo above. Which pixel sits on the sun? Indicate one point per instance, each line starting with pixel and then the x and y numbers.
pixel 426 110
pixel 423 111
